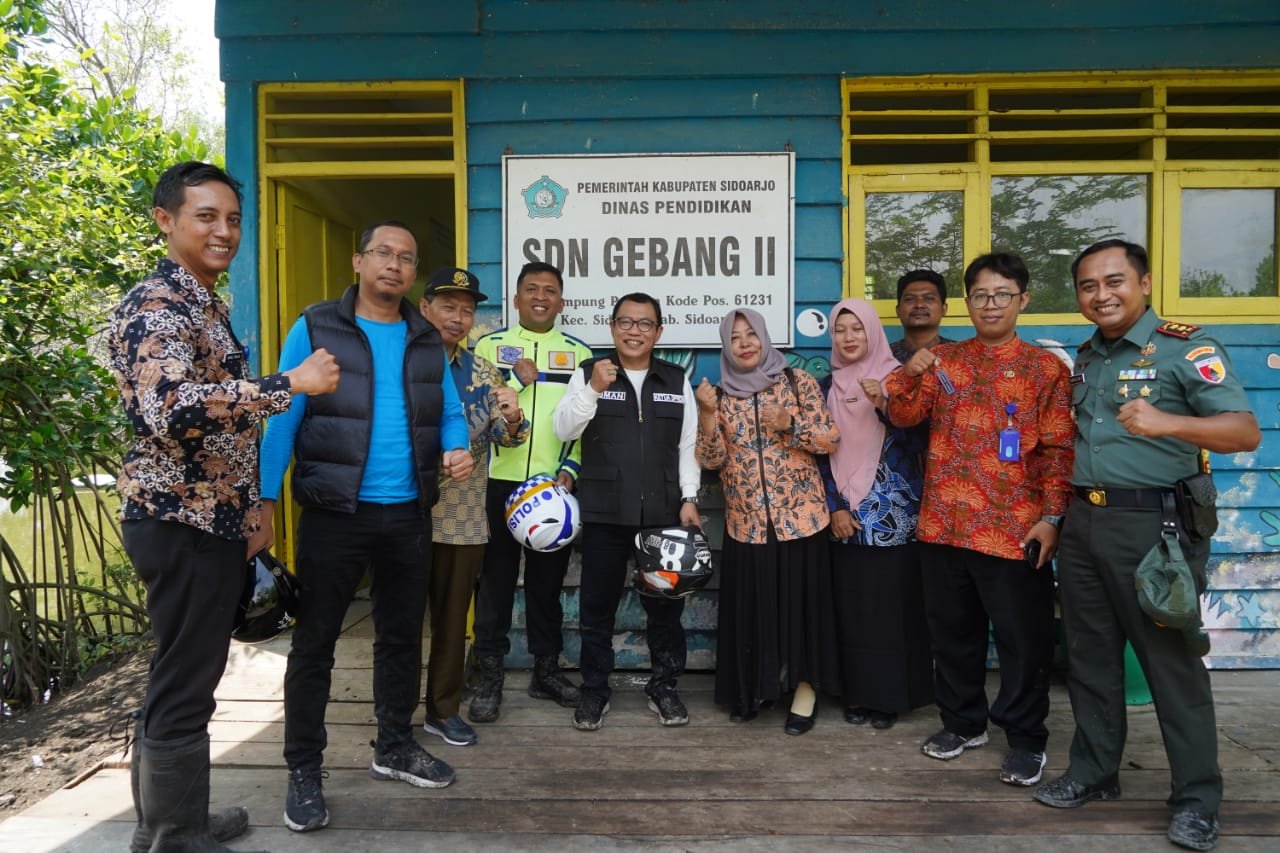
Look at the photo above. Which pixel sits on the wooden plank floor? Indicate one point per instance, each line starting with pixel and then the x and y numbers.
pixel 533 782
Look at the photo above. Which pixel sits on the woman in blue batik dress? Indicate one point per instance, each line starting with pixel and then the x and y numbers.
pixel 873 480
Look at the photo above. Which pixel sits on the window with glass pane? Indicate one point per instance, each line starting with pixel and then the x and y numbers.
pixel 1229 242
pixel 1048 219
pixel 913 230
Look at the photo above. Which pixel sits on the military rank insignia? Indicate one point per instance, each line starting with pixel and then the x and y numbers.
pixel 1177 330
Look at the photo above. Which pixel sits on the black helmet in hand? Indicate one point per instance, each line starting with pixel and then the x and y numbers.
pixel 671 562
pixel 269 601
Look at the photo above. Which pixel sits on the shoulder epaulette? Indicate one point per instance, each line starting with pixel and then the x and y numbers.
pixel 1177 330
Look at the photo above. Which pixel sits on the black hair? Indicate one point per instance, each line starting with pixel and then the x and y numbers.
pixel 1003 264
pixel 538 266
pixel 923 275
pixel 1136 254
pixel 171 189
pixel 642 299
pixel 367 234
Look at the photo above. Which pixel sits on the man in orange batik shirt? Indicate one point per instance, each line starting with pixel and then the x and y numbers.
pixel 996 484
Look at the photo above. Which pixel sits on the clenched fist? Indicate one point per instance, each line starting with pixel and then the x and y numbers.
pixel 920 361
pixel 603 375
pixel 317 375
pixel 526 371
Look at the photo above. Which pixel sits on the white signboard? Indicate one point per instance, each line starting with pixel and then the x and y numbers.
pixel 705 233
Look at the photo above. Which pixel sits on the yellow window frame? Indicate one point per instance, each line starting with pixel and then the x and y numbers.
pixel 1233 309
pixel 1150 128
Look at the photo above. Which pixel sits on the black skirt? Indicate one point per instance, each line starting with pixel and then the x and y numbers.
pixel 885 659
pixel 776 624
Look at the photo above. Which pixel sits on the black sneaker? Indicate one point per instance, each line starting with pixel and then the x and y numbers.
pixel 590 714
pixel 667 705
pixel 1022 767
pixel 453 730
pixel 947 745
pixel 1066 793
pixel 410 763
pixel 1193 830
pixel 304 804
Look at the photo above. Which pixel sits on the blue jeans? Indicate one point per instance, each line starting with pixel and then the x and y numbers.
pixel 393 541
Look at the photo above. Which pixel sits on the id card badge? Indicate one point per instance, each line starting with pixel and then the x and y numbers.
pixel 1010 439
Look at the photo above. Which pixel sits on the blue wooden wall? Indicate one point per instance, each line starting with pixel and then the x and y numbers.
pixel 571 76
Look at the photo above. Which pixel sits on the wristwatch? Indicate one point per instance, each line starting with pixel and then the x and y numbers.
pixel 1055 520
pixel 693 499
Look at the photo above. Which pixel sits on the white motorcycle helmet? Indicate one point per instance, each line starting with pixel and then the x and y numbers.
pixel 542 515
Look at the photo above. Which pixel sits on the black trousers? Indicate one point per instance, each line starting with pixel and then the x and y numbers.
pixel 1101 549
pixel 606 550
pixel 194 580
pixel 963 590
pixel 496 592
pixel 334 549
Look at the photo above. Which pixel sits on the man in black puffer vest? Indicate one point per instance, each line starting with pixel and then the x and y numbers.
pixel 366 458
pixel 638 421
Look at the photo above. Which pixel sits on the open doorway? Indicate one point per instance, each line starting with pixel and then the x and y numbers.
pixel 336 158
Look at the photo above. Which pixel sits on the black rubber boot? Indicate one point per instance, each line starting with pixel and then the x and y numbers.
pixel 174 792
pixel 484 705
pixel 223 825
pixel 548 682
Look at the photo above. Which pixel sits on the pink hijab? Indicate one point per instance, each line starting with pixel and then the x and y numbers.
pixel 855 460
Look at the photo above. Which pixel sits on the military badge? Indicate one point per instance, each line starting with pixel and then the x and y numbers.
pixel 509 355
pixel 1199 352
pixel 560 360
pixel 1211 369
pixel 1149 348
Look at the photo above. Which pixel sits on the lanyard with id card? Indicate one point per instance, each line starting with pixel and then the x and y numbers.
pixel 1010 438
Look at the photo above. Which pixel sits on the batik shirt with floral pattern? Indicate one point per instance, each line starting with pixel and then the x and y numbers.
pixel 194 410
pixel 972 499
pixel 791 495
pixel 889 512
pixel 459 517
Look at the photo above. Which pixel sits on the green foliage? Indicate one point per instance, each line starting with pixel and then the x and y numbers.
pixel 75 234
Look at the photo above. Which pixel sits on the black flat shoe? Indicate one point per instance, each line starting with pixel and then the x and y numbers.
pixel 883 719
pixel 798 725
pixel 857 716
pixel 739 715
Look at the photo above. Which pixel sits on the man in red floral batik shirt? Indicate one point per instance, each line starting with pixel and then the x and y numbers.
pixel 996 484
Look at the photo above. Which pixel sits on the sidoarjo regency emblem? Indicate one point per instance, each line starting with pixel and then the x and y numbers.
pixel 544 198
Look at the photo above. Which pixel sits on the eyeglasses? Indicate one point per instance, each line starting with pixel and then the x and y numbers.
pixel 999 298
pixel 383 254
pixel 626 324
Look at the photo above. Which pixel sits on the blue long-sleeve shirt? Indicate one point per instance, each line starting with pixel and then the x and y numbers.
pixel 388 473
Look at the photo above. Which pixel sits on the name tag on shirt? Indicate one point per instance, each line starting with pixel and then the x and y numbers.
pixel 614 395
pixel 668 398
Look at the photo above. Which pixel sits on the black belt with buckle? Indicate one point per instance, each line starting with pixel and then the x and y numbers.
pixel 1122 498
